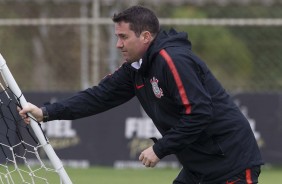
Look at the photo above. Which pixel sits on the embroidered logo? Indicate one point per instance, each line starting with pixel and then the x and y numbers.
pixel 139 86
pixel 156 89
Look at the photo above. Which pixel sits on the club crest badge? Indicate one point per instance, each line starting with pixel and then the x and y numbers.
pixel 156 89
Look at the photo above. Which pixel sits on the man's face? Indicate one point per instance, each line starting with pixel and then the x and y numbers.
pixel 131 46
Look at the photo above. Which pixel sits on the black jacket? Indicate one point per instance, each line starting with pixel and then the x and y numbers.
pixel 197 118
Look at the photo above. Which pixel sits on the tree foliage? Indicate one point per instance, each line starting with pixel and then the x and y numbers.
pixel 47 58
pixel 227 55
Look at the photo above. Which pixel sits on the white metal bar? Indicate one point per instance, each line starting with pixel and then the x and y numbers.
pixel 163 21
pixel 84 56
pixel 95 42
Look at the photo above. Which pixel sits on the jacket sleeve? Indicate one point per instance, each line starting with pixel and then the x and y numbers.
pixel 112 91
pixel 185 84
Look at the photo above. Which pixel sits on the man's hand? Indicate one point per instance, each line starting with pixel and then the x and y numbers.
pixel 35 111
pixel 149 158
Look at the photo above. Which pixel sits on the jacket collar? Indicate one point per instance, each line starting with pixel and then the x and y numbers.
pixel 137 64
pixel 163 40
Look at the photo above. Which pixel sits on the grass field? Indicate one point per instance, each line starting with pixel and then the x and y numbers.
pixel 103 175
pixel 107 175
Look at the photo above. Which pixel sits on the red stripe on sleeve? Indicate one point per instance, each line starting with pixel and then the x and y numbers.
pixel 248 176
pixel 178 81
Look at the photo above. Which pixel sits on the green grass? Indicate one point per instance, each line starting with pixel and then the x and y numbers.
pixel 107 175
pixel 102 175
pixel 271 175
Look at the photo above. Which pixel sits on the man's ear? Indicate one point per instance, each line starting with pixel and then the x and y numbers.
pixel 146 37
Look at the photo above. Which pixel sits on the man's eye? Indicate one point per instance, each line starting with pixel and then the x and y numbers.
pixel 123 36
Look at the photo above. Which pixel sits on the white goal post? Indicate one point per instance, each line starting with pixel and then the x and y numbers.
pixel 163 21
pixel 12 85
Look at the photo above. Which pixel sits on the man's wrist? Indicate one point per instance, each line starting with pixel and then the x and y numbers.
pixel 44 114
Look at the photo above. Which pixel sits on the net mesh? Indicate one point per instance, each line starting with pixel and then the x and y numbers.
pixel 20 158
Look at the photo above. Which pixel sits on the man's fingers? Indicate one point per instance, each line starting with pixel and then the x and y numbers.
pixel 27 120
pixel 143 160
pixel 23 115
pixel 23 112
pixel 141 157
pixel 146 162
pixel 149 164
pixel 149 158
pixel 18 109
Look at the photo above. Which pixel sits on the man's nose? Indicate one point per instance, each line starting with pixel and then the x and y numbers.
pixel 119 44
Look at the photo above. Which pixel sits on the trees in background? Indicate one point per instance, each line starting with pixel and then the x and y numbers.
pixel 47 58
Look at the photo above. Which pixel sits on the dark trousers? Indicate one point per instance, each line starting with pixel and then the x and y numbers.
pixel 248 176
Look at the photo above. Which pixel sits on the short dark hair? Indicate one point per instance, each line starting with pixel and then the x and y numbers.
pixel 140 19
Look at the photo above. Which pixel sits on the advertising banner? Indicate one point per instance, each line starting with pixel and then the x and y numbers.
pixel 117 137
pixel 264 112
pixel 112 138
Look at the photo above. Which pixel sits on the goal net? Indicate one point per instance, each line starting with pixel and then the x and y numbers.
pixel 22 145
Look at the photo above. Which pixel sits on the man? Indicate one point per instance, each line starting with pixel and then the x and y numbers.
pixel 196 117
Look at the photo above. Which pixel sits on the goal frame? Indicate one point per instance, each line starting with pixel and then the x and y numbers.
pixel 54 159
